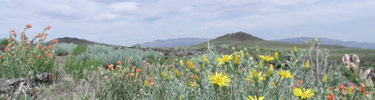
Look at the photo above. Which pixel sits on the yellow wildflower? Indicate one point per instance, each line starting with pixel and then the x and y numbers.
pixel 224 59
pixel 307 65
pixel 285 74
pixel 257 76
pixel 295 49
pixel 255 98
pixel 325 79
pixel 181 63
pixel 197 78
pixel 260 64
pixel 193 84
pixel 165 75
pixel 267 58
pixel 276 55
pixel 236 59
pixel 219 79
pixel 190 64
pixel 177 73
pixel 242 54
pixel 274 84
pixel 145 83
pixel 271 68
pixel 205 59
pixel 303 93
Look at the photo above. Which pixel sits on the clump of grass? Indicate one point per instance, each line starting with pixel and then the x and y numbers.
pixel 79 49
pixel 77 67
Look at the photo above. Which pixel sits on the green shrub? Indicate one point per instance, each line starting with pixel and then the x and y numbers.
pixel 4 41
pixel 22 59
pixel 79 49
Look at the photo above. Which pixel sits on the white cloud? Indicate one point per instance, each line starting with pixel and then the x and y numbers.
pixel 123 6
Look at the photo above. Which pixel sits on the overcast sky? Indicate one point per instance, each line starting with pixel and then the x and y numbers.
pixel 127 22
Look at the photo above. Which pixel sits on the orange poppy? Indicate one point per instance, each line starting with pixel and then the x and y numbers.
pixel 139 70
pixel 119 62
pixel 331 96
pixel 342 86
pixel 111 67
pixel 54 40
pixel 132 75
pixel 29 26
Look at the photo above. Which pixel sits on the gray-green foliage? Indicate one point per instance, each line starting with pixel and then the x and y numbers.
pixel 64 49
pixel 108 55
pixel 105 55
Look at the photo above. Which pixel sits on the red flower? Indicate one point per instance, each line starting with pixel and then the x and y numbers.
pixel 50 55
pixel 29 26
pixel 192 76
pixel 5 49
pixel 39 35
pixel 119 62
pixel 48 27
pixel 111 67
pixel 9 45
pixel 54 40
pixel 151 81
pixel 331 96
pixel 132 75
pixel 41 48
pixel 139 70
pixel 342 86
pixel 10 39
pixel 50 46
pixel 133 67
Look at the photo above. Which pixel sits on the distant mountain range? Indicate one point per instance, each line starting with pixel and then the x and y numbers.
pixel 241 36
pixel 232 38
pixel 78 41
pixel 327 41
pixel 169 43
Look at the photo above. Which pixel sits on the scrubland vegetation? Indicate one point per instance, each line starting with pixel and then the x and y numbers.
pixel 106 73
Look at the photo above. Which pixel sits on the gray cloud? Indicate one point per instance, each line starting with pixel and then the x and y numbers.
pixel 136 21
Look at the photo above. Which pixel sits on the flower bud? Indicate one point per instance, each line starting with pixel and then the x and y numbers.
pixel 197 78
pixel 356 59
pixel 325 79
pixel 260 64
pixel 177 73
pixel 276 55
pixel 295 49
pixel 307 65
pixel 346 59
pixel 29 26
